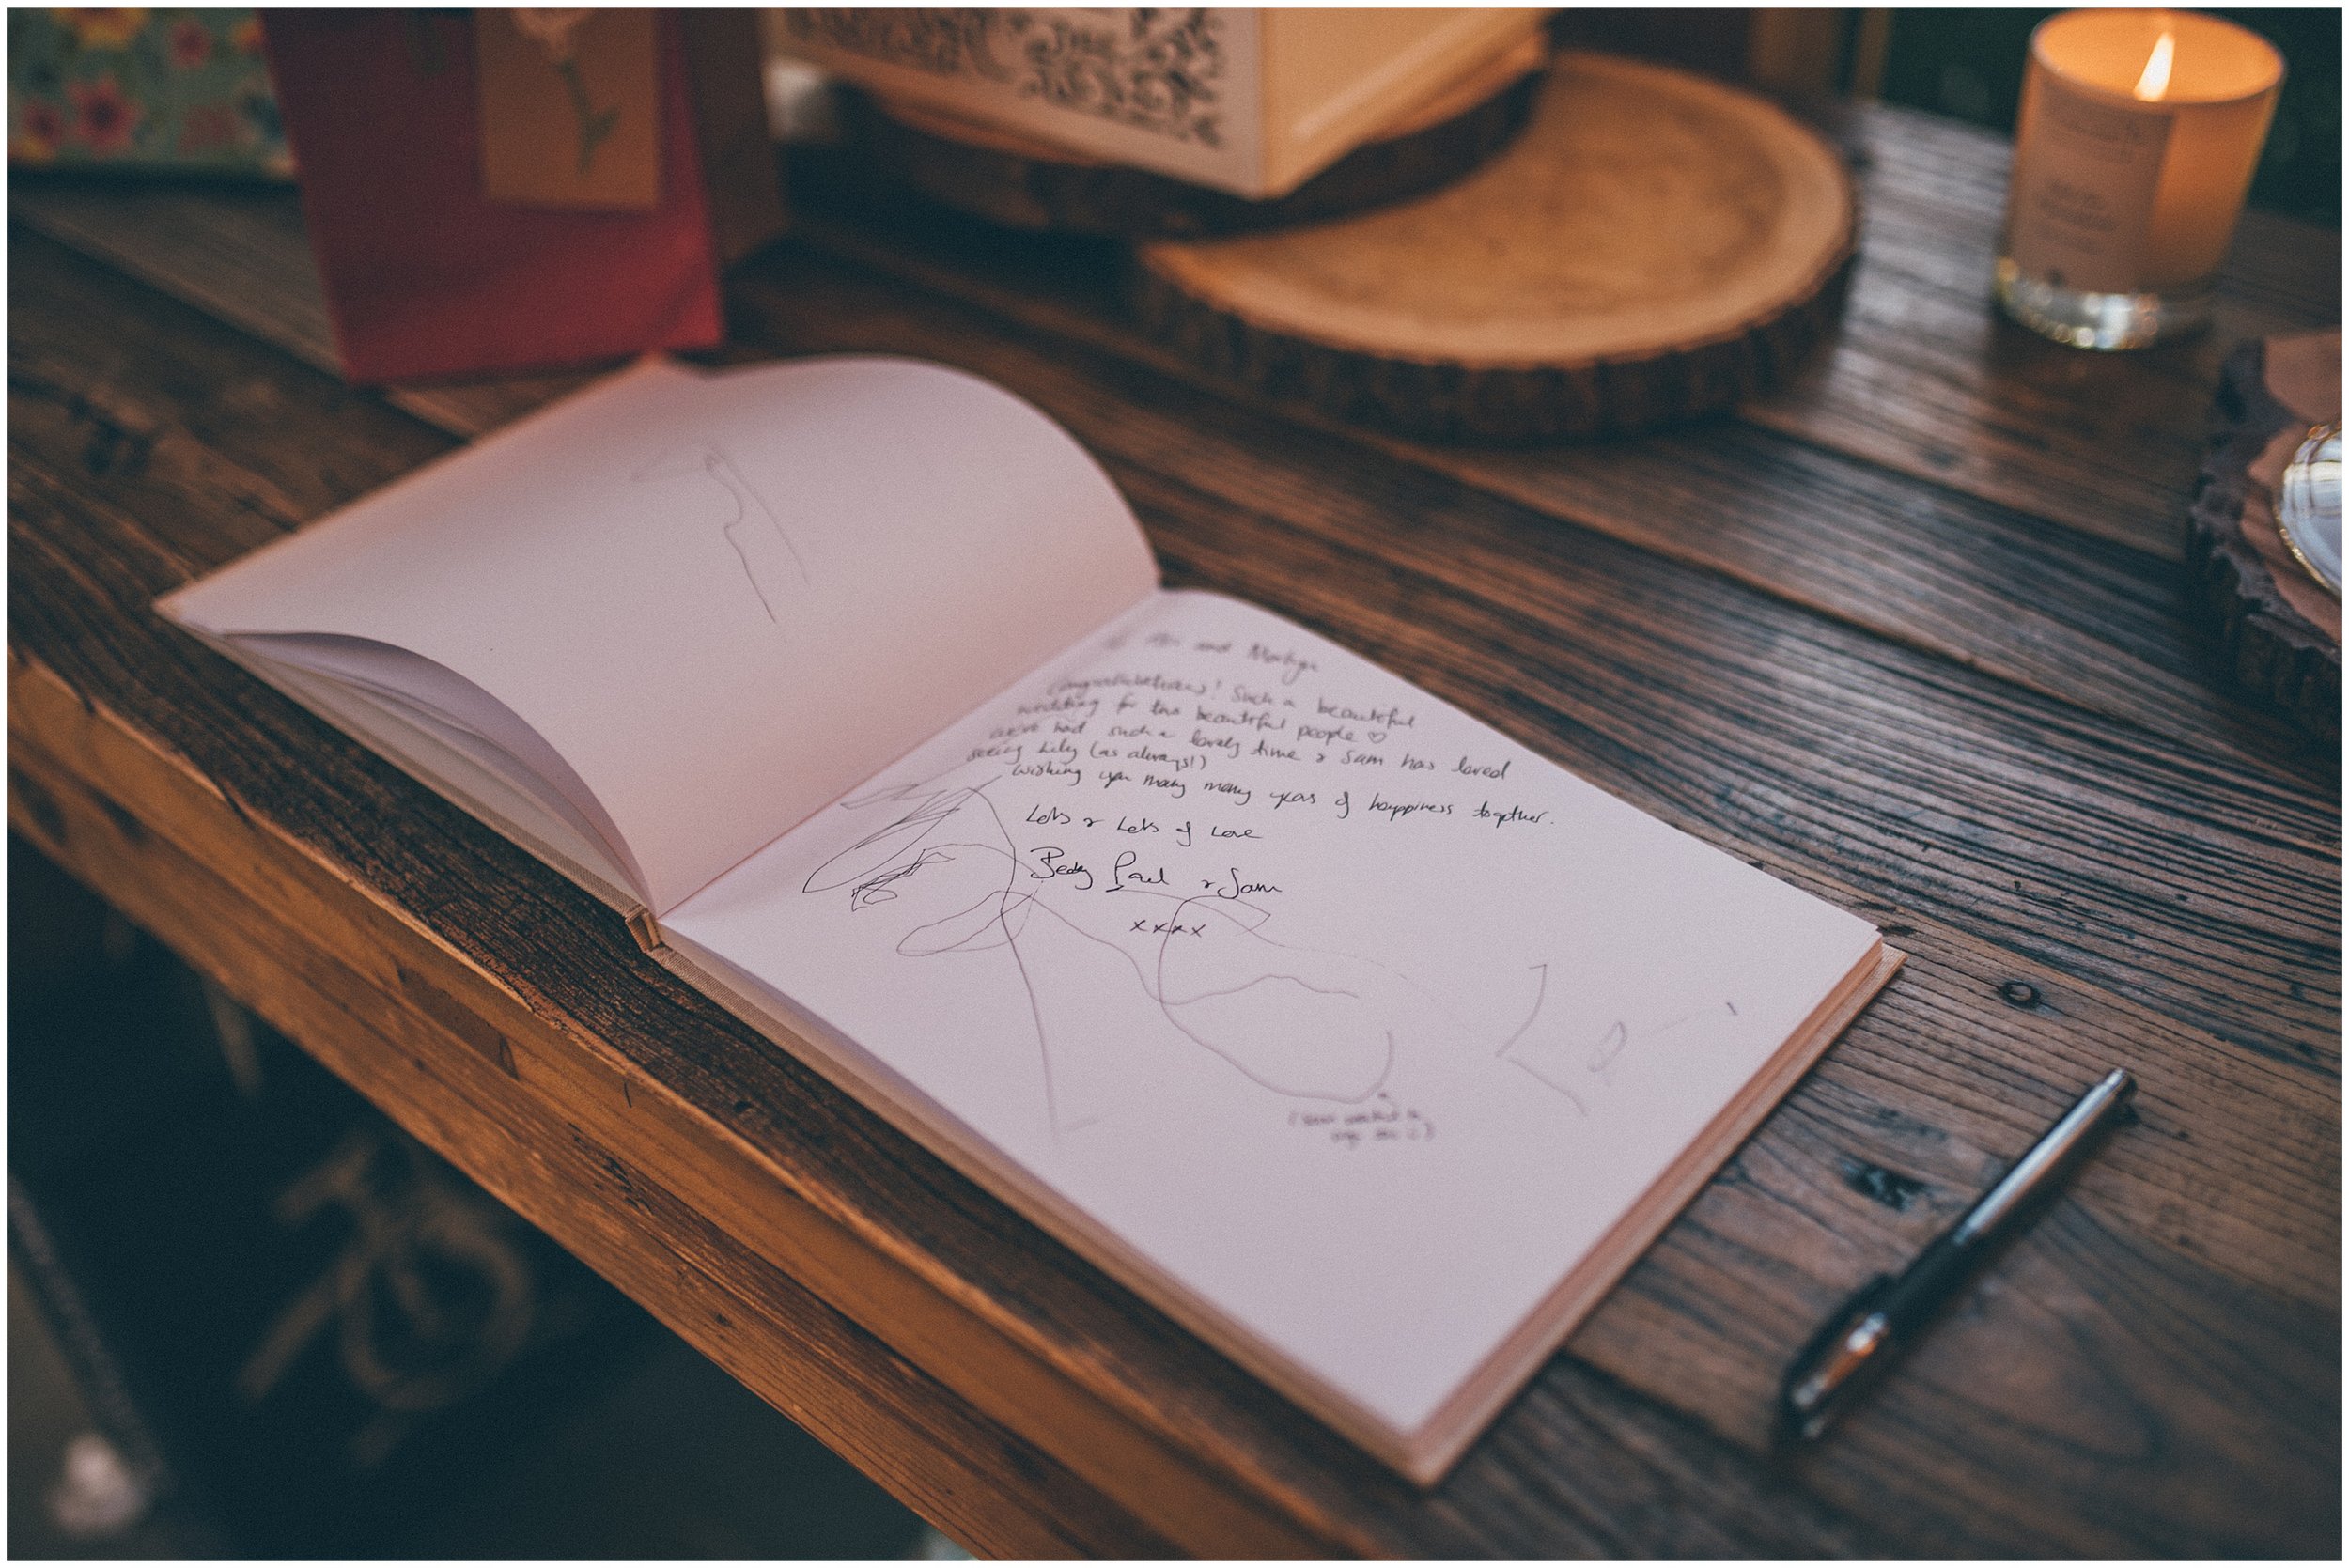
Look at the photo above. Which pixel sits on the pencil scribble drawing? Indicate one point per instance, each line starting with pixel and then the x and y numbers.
pixel 770 562
pixel 1299 1022
pixel 1553 1060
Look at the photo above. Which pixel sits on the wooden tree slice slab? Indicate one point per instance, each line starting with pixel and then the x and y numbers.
pixel 1022 183
pixel 1655 246
pixel 2275 628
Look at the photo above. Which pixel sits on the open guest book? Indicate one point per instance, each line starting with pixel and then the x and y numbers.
pixel 1355 1036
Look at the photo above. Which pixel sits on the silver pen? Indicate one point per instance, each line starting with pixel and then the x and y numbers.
pixel 1855 1346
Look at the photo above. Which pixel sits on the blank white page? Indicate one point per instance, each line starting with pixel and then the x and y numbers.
pixel 1347 1022
pixel 724 599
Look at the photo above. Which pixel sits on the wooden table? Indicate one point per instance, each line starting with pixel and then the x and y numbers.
pixel 1908 634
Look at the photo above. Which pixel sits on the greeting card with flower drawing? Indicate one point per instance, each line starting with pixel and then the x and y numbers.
pixel 499 190
pixel 571 106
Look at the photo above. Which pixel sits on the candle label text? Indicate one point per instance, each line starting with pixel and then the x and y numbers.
pixel 2085 173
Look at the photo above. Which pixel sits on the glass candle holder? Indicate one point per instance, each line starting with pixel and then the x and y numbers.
pixel 2139 132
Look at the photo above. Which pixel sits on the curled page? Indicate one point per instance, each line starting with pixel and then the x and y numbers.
pixel 722 599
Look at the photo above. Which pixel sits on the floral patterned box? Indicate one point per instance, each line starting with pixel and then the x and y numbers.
pixel 140 88
pixel 1249 99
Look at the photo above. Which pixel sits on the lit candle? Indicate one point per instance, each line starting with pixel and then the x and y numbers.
pixel 2139 134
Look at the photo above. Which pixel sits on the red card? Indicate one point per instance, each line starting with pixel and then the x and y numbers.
pixel 426 275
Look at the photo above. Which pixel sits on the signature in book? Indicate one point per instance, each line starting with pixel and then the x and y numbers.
pixel 1305 1023
pixel 1295 1021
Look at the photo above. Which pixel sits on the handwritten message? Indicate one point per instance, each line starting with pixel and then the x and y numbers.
pixel 1253 845
pixel 1202 741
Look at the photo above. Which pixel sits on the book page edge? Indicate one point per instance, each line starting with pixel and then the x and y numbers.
pixel 606 889
pixel 1431 1452
pixel 1423 1456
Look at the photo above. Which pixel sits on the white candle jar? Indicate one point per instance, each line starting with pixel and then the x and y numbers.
pixel 2138 134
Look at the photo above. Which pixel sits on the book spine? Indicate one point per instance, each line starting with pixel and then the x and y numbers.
pixel 647 931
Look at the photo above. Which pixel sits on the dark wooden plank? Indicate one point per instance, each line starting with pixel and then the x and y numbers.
pixel 964 1473
pixel 1941 1528
pixel 1248 474
pixel 2276 632
pixel 2085 622
pixel 1932 790
pixel 1597 1453
pixel 556 949
pixel 241 255
pixel 1257 479
pixel 2000 590
pixel 2142 670
pixel 2077 619
pixel 1900 1112
pixel 1931 380
pixel 1907 561
pixel 418 858
pixel 1926 379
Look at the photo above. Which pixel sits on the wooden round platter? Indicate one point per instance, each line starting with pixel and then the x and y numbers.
pixel 1653 246
pixel 1019 182
pixel 2275 626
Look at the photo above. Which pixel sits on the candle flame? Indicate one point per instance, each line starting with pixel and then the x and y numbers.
pixel 2155 81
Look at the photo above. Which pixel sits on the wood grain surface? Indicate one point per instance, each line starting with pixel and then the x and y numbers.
pixel 2275 626
pixel 1908 633
pixel 1655 246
